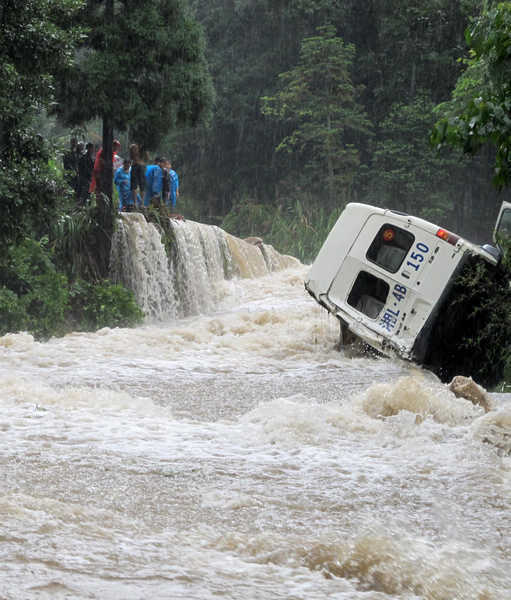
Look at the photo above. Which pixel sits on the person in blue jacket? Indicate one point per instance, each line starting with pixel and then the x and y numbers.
pixel 122 180
pixel 153 183
pixel 173 186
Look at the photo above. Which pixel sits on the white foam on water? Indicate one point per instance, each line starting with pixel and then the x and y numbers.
pixel 238 454
pixel 494 429
pixel 315 492
pixel 421 397
pixel 377 561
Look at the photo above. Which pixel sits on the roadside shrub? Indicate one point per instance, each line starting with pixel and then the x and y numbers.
pixel 34 295
pixel 12 315
pixel 94 306
pixel 73 238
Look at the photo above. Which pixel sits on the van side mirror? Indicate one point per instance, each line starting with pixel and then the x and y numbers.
pixel 493 251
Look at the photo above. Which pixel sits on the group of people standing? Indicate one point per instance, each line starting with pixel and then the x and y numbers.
pixel 140 183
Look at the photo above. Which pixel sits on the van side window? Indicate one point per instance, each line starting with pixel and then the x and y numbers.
pixel 368 294
pixel 389 247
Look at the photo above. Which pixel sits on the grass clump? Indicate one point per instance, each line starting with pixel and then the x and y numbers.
pixel 297 228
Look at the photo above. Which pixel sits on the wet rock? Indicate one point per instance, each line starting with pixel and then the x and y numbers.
pixel 466 387
pixel 255 241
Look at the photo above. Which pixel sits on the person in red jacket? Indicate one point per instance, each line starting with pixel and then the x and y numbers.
pixel 99 164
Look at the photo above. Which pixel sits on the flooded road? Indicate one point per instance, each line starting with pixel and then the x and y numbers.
pixel 237 455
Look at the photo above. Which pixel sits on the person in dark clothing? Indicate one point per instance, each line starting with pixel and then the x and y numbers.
pixel 70 164
pixel 165 184
pixel 85 168
pixel 69 157
pixel 137 175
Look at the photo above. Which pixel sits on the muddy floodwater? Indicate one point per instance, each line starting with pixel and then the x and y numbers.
pixel 238 455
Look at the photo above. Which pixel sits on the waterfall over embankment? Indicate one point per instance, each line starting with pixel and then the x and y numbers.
pixel 180 271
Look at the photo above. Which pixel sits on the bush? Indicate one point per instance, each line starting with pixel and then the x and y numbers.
pixel 12 314
pixel 34 295
pixel 103 305
pixel 472 335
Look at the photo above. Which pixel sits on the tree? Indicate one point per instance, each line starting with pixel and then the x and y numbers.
pixel 406 173
pixel 249 43
pixel 36 42
pixel 402 46
pixel 142 66
pixel 479 112
pixel 318 103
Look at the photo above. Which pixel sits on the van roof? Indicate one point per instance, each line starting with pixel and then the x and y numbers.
pixel 366 210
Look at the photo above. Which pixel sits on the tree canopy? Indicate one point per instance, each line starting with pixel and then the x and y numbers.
pixel 479 112
pixel 143 69
pixel 318 103
pixel 36 43
pixel 402 63
pixel 142 65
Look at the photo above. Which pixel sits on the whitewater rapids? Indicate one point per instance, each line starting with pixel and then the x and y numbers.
pixel 237 455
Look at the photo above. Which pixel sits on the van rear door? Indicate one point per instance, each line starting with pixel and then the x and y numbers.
pixel 403 266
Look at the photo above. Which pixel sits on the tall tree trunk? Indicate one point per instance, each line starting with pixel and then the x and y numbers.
pixel 107 171
pixel 104 202
pixel 104 197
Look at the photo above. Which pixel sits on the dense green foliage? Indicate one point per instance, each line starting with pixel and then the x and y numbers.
pixel 135 66
pixel 35 297
pixel 35 44
pixel 479 112
pixel 400 59
pixel 299 229
pixel 318 104
pixel 102 305
pixel 72 237
pixel 30 277
pixel 141 65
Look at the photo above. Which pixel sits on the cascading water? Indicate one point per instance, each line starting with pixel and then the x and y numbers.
pixel 200 261
pixel 138 260
pixel 186 278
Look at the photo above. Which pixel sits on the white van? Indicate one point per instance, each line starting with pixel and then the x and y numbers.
pixel 387 275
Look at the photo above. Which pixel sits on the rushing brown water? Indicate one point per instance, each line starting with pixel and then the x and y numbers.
pixel 238 455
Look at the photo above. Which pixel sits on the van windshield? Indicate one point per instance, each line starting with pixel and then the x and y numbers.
pixel 389 247
pixel 368 294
